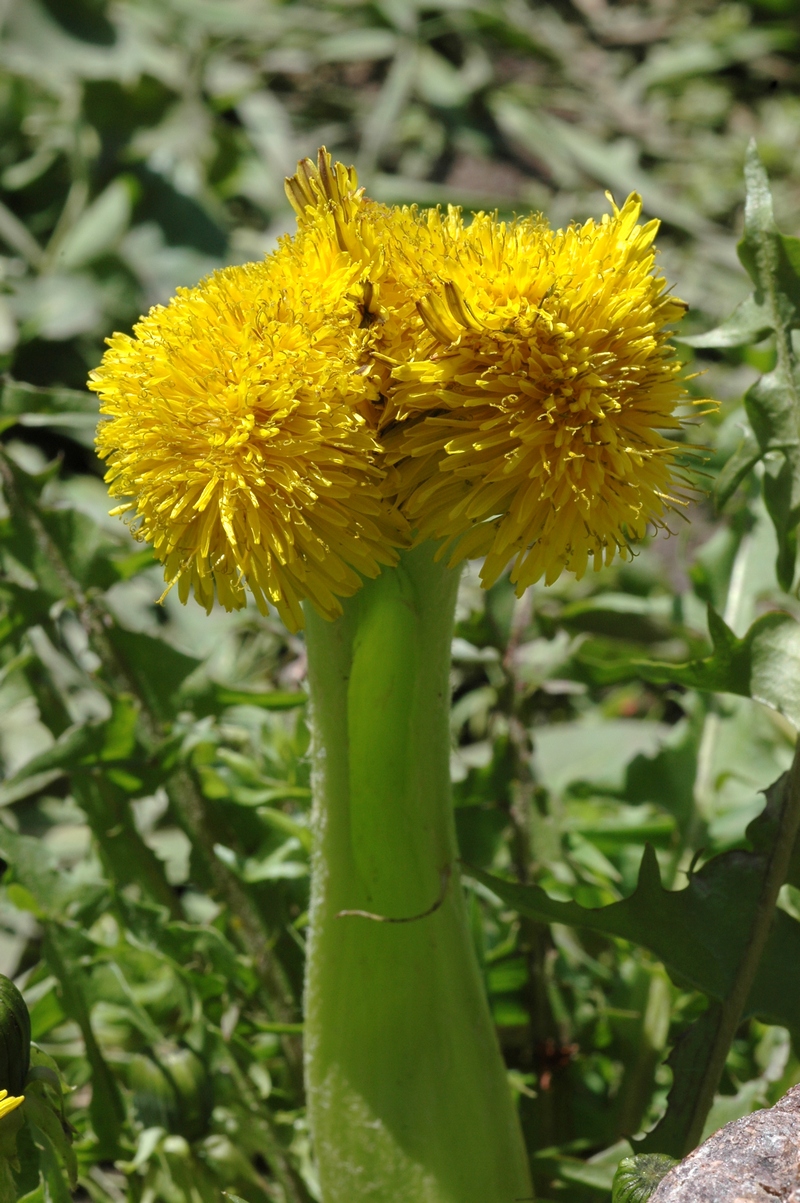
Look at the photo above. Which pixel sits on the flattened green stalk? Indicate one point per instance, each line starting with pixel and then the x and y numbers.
pixel 407 1090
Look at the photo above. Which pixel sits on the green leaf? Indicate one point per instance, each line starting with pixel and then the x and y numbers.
pixel 280 1029
pixel 127 857
pixel 158 669
pixel 37 1195
pixel 63 549
pixel 87 551
pixel 42 1115
pixel 119 734
pixel 46 1014
pixel 19 397
pixel 107 1108
pixel 31 869
pixel 26 540
pixel 590 750
pixel 763 665
pixel 772 260
pixel 67 752
pixel 284 823
pixel 213 698
pixel 26 785
pixel 622 615
pixel 58 1189
pixel 748 323
pixel 781 485
pixel 78 747
pixel 28 1175
pixel 131 565
pixel 697 932
pixel 275 867
pixel 738 467
pixel 100 226
pixel 664 921
pixel 668 778
pixel 688 1061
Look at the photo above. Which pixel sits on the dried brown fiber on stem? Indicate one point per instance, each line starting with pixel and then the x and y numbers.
pixel 755 1159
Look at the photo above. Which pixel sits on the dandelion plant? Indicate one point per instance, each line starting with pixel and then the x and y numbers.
pixel 335 430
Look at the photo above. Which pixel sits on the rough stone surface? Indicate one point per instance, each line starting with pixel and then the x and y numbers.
pixel 755 1159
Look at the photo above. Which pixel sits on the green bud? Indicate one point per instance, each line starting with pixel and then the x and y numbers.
pixel 15 1038
pixel 637 1177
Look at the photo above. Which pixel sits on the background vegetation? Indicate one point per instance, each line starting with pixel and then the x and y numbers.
pixel 154 808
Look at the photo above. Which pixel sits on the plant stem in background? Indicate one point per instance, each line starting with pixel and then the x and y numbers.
pixel 407 1091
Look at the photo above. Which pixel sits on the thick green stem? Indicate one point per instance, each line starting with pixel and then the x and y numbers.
pixel 407 1090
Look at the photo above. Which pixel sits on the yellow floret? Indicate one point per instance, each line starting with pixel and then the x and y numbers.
pixel 9 1103
pixel 237 432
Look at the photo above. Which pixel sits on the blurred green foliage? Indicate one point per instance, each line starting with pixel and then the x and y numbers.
pixel 154 807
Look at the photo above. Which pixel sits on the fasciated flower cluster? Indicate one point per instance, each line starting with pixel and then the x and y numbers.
pixel 388 375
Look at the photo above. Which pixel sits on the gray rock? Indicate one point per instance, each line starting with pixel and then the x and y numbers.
pixel 755 1159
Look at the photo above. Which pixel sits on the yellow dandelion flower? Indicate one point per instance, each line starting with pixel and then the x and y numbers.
pixel 531 419
pixel 525 384
pixel 9 1103
pixel 236 431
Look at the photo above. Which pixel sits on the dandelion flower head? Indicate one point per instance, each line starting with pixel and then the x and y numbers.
pixel 236 430
pixel 533 418
pixel 526 388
